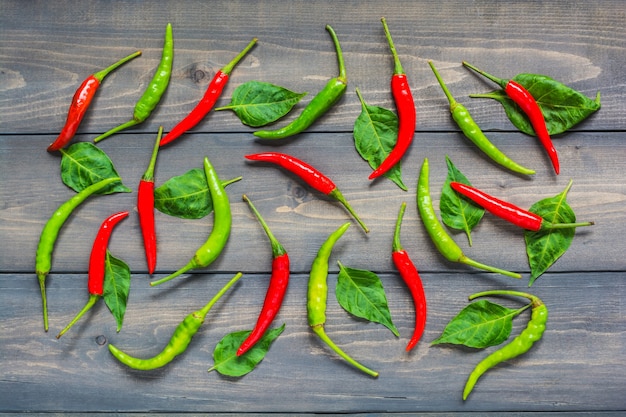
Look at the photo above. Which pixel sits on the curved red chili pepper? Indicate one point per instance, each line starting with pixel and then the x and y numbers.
pixel 510 212
pixel 145 208
pixel 308 174
pixel 406 112
pixel 97 265
pixel 204 106
pixel 80 103
pixel 276 290
pixel 522 97
pixel 507 211
pixel 412 279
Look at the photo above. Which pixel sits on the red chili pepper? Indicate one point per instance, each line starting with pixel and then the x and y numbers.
pixel 510 212
pixel 95 283
pixel 276 289
pixel 310 175
pixel 528 104
pixel 81 101
pixel 145 208
pixel 411 277
pixel 204 106
pixel 406 112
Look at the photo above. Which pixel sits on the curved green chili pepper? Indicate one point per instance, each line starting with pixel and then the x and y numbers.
pixel 521 344
pixel 442 240
pixel 151 97
pixel 180 338
pixel 320 104
pixel 317 295
pixel 213 247
pixel 43 261
pixel 471 131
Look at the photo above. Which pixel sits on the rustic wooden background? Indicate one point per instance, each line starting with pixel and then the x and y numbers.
pixel 48 48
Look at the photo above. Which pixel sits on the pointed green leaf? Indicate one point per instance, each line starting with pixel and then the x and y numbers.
pixel 186 196
pixel 546 246
pixel 116 287
pixel 375 134
pixel 479 325
pixel 458 212
pixel 226 361
pixel 361 294
pixel 258 103
pixel 84 164
pixel 562 106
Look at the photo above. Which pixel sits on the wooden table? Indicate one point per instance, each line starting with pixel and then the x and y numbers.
pixel 48 48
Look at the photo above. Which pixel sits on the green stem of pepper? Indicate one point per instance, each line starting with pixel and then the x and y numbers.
pixel 342 67
pixel 103 73
pixel 319 330
pixel 533 298
pixel 398 70
pixel 337 195
pixel 90 303
pixel 500 81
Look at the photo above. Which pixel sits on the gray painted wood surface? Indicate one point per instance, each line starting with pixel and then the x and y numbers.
pixel 47 48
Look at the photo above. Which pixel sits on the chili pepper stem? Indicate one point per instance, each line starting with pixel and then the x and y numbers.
pixel 103 73
pixel 190 265
pixel 397 246
pixel 123 126
pixel 468 261
pixel 44 300
pixel 396 60
pixel 90 303
pixel 550 226
pixel 337 195
pixel 319 330
pixel 149 174
pixel 231 65
pixel 451 99
pixel 534 300
pixel 205 310
pixel 342 67
pixel 501 82
pixel 277 248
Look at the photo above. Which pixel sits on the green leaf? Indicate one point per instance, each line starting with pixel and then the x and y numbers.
pixel 186 196
pixel 562 106
pixel 479 325
pixel 361 294
pixel 84 164
pixel 546 246
pixel 457 212
pixel 226 361
pixel 116 287
pixel 375 134
pixel 258 103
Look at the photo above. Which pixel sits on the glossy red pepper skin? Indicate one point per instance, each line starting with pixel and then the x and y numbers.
pixel 145 208
pixel 405 106
pixel 279 281
pixel 95 284
pixel 507 211
pixel 528 104
pixel 81 101
pixel 310 175
pixel 211 95
pixel 413 281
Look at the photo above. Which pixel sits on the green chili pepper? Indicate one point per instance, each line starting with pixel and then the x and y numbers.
pixel 442 240
pixel 180 338
pixel 318 293
pixel 320 104
pixel 521 344
pixel 43 261
pixel 213 247
pixel 151 97
pixel 471 130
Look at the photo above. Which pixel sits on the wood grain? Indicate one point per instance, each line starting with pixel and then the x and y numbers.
pixel 47 48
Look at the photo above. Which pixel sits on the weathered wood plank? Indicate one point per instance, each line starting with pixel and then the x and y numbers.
pixel 45 59
pixel 574 367
pixel 302 217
